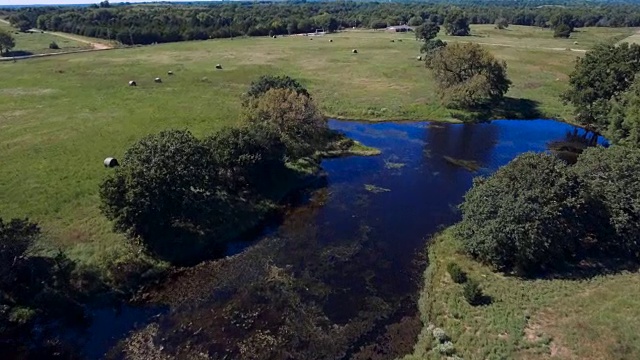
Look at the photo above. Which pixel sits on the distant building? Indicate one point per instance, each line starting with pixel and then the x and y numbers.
pixel 399 28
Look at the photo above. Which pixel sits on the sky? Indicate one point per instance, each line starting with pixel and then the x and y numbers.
pixel 57 2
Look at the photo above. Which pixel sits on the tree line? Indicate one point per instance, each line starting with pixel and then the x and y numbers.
pixel 146 24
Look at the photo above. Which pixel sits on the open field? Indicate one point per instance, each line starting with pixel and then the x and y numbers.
pixel 38 43
pixel 528 319
pixel 64 115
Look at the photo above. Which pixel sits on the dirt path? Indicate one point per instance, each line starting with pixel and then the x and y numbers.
pixel 94 45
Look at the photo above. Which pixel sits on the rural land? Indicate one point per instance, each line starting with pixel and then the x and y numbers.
pixel 191 166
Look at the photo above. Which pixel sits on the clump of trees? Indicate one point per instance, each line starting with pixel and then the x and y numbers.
pixel 34 289
pixel 142 24
pixel 7 42
pixel 184 197
pixel 468 75
pixel 538 214
pixel 501 23
pixel 602 92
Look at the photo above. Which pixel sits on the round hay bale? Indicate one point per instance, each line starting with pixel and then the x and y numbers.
pixel 393 40
pixel 275 36
pixel 419 58
pixel 310 38
pixel 110 162
pixel 218 66
pixel 132 83
pixel 204 79
pixel 575 43
pixel 169 72
pixel 157 80
pixel 330 40
pixel 355 51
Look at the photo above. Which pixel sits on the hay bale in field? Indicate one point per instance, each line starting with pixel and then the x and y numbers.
pixel 169 72
pixel 393 40
pixel 399 40
pixel 157 80
pixel 330 40
pixel 218 66
pixel 575 43
pixel 419 58
pixel 310 38
pixel 110 162
pixel 355 51
pixel 132 83
pixel 275 36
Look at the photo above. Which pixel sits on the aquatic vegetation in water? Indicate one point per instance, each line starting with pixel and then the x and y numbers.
pixel 375 189
pixel 393 165
pixel 469 165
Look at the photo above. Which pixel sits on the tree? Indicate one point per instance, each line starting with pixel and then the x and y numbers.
pixel 624 118
pixel 415 21
pixel 166 193
pixel 468 75
pixel 427 31
pixel 293 115
pixel 268 82
pixel 610 176
pixel 456 23
pixel 501 23
pixel 6 42
pixel 599 78
pixel 562 31
pixel 527 216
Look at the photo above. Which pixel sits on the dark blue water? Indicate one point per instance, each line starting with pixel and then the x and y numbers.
pixel 346 258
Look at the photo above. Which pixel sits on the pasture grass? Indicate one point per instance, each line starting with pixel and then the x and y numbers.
pixel 593 318
pixel 61 116
pixel 38 43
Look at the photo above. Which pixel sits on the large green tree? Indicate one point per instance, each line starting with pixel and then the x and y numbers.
pixel 526 217
pixel 6 42
pixel 294 116
pixel 456 23
pixel 469 76
pixel 267 82
pixel 611 178
pixel 601 77
pixel 166 192
pixel 624 118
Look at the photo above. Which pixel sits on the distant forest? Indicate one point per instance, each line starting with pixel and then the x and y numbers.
pixel 158 23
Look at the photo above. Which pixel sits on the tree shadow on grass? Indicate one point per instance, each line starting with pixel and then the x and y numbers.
pixel 17 53
pixel 508 108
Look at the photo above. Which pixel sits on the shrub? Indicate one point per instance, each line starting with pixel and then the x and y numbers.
pixel 53 45
pixel 472 292
pixel 440 335
pixel 457 275
pixel 562 31
pixel 268 82
pixel 446 348
pixel 527 216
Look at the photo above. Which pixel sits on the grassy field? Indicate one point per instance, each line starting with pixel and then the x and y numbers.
pixel 63 115
pixel 528 319
pixel 38 43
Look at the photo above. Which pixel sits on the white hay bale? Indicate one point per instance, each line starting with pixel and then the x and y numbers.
pixel 419 58
pixel 110 162
pixel 132 83
pixel 157 80
pixel 169 72
pixel 330 40
pixel 218 66
pixel 355 51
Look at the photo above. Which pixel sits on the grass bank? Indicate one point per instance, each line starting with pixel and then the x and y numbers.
pixel 593 318
pixel 38 43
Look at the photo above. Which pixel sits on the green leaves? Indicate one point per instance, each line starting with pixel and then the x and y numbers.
pixel 468 75
pixel 526 216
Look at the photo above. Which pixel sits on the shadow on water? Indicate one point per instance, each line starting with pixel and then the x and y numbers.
pixel 337 279
pixel 509 108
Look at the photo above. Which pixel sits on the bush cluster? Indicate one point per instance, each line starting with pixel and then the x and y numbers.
pixel 537 213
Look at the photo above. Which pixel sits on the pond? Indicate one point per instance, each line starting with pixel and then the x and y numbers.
pixel 339 277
